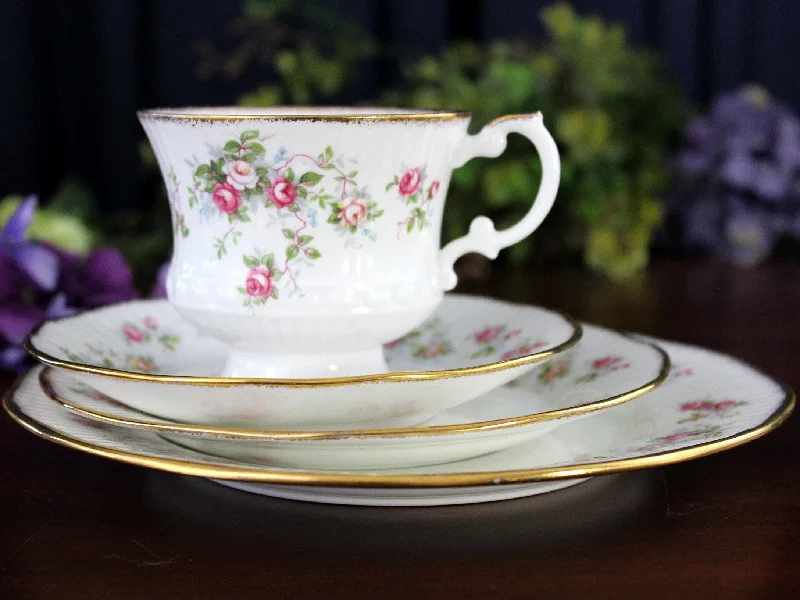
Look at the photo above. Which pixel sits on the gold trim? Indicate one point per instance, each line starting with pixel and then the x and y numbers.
pixel 398 432
pixel 264 475
pixel 536 357
pixel 223 113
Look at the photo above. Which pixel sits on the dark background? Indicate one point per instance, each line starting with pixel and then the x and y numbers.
pixel 74 71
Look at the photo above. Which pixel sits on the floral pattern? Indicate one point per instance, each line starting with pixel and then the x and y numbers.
pixel 144 336
pixel 239 180
pixel 429 342
pixel 704 409
pixel 603 366
pixel 412 189
pixel 553 370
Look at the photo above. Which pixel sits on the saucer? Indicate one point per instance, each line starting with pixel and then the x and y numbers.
pixel 146 354
pixel 605 369
pixel 711 402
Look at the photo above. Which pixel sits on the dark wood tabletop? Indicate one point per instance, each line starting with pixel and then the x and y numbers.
pixel 725 526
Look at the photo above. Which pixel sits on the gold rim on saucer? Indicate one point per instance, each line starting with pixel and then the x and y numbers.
pixel 396 432
pixel 328 114
pixel 285 476
pixel 501 365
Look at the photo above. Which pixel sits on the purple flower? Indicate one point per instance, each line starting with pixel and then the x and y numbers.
pixel 740 168
pixel 22 258
pixel 39 281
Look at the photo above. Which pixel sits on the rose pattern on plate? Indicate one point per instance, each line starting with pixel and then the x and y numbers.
pixel 703 409
pixel 489 339
pixel 92 394
pixel 603 366
pixel 552 371
pixel 412 189
pixel 142 333
pixel 678 438
pixel 239 180
pixel 144 336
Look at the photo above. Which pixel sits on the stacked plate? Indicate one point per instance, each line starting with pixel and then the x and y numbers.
pixel 486 401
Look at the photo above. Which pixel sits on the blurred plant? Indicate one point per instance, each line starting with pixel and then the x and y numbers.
pixel 612 112
pixel 740 177
pixel 39 280
pixel 313 51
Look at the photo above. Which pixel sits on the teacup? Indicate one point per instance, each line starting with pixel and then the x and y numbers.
pixel 306 238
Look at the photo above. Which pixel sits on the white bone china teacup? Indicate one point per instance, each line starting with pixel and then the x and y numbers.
pixel 306 238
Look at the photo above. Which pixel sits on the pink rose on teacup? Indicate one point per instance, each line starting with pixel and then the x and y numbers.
pixel 488 334
pixel 282 192
pixel 227 198
pixel 724 404
pixel 409 182
pixel 150 323
pixel 133 333
pixel 241 174
pixel 352 211
pixel 433 190
pixel 259 282
pixel 554 371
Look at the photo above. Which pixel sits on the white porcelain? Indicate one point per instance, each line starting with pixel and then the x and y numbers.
pixel 710 403
pixel 605 369
pixel 146 354
pixel 305 238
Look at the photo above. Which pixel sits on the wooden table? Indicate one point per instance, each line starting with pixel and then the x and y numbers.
pixel 725 526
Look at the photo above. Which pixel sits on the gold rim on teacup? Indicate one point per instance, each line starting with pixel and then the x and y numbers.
pixel 52 361
pixel 286 476
pixel 394 432
pixel 328 114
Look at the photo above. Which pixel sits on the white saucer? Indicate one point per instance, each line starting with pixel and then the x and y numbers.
pixel 605 369
pixel 710 403
pixel 145 353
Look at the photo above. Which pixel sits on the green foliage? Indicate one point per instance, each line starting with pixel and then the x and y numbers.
pixel 612 112
pixel 313 52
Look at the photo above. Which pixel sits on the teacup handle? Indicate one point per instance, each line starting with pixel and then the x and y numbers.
pixel 491 142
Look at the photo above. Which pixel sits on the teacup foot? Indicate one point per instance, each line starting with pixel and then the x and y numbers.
pixel 304 365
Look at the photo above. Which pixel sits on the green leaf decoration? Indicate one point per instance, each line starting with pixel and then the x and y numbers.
pixel 389 185
pixel 321 158
pixel 328 153
pixel 312 253
pixel 274 294
pixel 377 214
pixel 410 224
pixel 352 174
pixel 251 262
pixel 329 166
pixel 292 251
pixel 353 228
pixel 332 218
pixel 241 290
pixel 304 239
pixel 231 146
pixel 202 171
pixel 309 179
pixel 248 156
pixel 255 148
pixel 260 171
pixel 246 301
pixel 302 192
pixel 249 134
pixel 276 275
pixel 184 231
pixel 294 208
pixel 289 175
pixel 269 203
pixel 269 260
pixel 288 234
